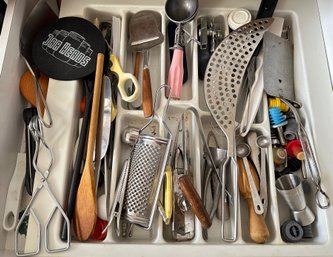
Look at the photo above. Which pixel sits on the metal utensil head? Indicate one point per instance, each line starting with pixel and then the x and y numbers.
pixel 225 72
pixel 243 150
pixel 181 11
pixel 278 69
pixel 263 141
pixel 219 155
pixel 145 30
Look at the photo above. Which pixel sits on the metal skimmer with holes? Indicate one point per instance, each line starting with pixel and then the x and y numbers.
pixel 222 85
pixel 226 69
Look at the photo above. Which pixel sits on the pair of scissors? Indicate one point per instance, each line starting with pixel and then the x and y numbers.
pixel 122 78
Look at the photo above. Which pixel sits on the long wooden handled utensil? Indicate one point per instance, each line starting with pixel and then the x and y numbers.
pixel 258 229
pixel 86 207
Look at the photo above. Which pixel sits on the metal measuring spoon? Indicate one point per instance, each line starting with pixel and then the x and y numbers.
pixel 243 150
pixel 263 142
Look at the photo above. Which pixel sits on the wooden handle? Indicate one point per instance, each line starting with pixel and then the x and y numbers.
pixel 137 65
pixel 85 213
pixel 95 108
pixel 257 227
pixel 147 97
pixel 192 196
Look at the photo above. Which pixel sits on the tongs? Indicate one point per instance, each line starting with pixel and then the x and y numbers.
pixel 35 128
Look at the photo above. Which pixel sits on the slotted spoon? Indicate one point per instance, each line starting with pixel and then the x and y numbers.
pixel 222 85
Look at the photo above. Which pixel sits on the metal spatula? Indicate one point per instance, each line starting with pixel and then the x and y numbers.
pixel 145 33
pixel 278 69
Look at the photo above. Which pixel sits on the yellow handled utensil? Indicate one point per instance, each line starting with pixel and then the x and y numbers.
pixel 122 78
pixel 168 194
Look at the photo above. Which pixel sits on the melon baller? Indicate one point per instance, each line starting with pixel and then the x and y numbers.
pixel 222 85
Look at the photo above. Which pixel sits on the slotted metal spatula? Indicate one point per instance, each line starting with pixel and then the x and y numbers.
pixel 222 85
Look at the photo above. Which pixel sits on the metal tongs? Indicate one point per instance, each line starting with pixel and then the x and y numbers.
pixel 36 129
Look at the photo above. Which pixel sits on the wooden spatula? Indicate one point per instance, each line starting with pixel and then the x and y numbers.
pixel 85 214
pixel 258 230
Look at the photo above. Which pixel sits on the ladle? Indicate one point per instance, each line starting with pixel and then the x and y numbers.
pixel 263 142
pixel 179 12
pixel 243 150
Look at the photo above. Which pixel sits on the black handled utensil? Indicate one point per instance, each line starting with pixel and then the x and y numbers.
pixel 30 146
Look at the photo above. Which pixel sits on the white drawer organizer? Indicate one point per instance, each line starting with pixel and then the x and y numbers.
pixel 312 88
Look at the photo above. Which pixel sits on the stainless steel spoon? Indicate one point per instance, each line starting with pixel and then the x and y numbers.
pixel 243 150
pixel 263 142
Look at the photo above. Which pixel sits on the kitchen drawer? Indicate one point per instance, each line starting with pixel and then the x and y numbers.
pixel 312 89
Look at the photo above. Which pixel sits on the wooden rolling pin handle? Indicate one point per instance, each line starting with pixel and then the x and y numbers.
pixel 258 230
pixel 193 198
pixel 147 97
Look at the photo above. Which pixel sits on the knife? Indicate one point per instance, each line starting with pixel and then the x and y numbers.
pixel 107 115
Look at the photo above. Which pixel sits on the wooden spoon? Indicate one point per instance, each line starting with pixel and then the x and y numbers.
pixel 85 214
pixel 258 230
pixel 27 88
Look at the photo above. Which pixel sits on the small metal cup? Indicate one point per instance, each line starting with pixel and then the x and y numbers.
pixel 290 188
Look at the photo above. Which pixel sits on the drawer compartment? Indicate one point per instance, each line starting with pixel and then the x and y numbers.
pixel 310 71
